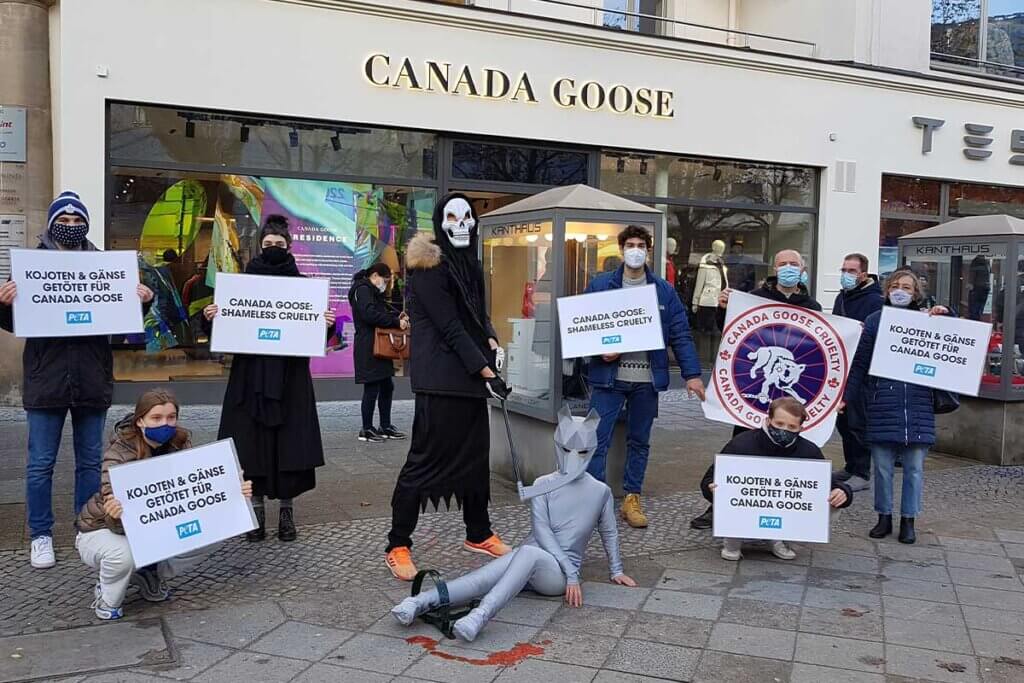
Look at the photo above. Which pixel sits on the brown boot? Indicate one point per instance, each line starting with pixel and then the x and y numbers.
pixel 632 513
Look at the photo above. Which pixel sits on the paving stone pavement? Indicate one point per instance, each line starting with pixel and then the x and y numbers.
pixel 950 608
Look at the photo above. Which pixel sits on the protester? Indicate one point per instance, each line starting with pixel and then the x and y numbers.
pixel 778 438
pixel 269 405
pixel 453 370
pixel 152 430
pixel 859 297
pixel 634 379
pixel 566 507
pixel 785 287
pixel 61 375
pixel 900 418
pixel 370 311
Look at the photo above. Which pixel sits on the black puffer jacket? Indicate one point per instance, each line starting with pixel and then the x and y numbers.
pixel 369 311
pixel 64 372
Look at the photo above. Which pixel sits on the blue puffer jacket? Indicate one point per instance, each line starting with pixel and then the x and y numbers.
pixel 897 412
pixel 860 302
pixel 675 329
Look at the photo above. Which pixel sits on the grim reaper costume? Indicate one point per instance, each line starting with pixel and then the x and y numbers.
pixel 448 451
pixel 566 507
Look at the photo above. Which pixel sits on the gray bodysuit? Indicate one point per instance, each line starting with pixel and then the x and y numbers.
pixel 562 523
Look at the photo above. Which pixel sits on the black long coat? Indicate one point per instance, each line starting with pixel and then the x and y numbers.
pixel 369 311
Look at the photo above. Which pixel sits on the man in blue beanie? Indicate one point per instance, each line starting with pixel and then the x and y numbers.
pixel 62 374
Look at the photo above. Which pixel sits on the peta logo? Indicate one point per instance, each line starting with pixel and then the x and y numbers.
pixel 613 339
pixel 765 522
pixel 269 334
pixel 186 529
pixel 924 370
pixel 78 317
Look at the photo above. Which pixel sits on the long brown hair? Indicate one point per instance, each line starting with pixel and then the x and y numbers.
pixel 146 402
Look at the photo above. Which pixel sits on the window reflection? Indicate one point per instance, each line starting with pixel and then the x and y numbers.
pixel 518 164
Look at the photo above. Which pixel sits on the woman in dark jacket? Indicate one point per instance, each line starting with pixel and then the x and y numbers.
pixel 900 419
pixel 454 352
pixel 370 311
pixel 269 405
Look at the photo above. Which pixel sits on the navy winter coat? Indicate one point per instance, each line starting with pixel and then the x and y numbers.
pixel 897 412
pixel 860 302
pixel 675 330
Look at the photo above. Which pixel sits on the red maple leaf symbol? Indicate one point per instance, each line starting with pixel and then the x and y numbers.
pixel 833 383
pixel 725 355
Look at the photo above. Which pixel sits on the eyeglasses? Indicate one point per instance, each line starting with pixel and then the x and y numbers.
pixel 850 271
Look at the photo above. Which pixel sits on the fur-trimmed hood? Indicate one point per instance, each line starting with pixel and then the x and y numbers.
pixel 422 252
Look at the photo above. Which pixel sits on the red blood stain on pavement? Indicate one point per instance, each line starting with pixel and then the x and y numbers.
pixel 503 658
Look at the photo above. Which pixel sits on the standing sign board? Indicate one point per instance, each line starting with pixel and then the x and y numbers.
pixel 939 351
pixel 12 134
pixel 270 315
pixel 782 499
pixel 614 321
pixel 75 293
pixel 181 501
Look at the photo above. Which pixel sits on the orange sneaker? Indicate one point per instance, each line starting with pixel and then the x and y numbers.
pixel 399 561
pixel 492 546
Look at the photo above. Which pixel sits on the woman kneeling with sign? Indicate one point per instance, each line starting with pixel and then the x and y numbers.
pixel 150 431
pixel 778 438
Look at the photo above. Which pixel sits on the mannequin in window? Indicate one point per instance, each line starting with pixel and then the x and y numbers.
pixel 712 278
pixel 671 249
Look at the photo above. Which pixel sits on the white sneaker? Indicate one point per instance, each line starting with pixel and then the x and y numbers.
pixel 42 552
pixel 731 549
pixel 102 609
pixel 783 551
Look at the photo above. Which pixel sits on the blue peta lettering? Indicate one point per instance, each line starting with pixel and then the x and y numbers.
pixel 613 339
pixel 268 334
pixel 186 529
pixel 925 370
pixel 765 522
pixel 78 317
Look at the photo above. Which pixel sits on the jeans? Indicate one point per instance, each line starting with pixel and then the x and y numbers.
pixel 641 401
pixel 913 477
pixel 44 432
pixel 380 393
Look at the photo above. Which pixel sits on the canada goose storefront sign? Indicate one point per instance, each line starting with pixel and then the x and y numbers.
pixel 489 83
pixel 770 350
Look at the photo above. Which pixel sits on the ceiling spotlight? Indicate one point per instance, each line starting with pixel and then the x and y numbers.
pixel 190 128
pixel 293 138
pixel 336 142
pixel 244 134
pixel 531 238
pixel 620 165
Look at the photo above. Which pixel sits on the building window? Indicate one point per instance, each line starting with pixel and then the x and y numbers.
pixel 482 161
pixel 986 36
pixel 633 15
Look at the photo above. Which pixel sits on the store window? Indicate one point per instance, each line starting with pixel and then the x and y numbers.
pixel 981 35
pixel 633 15
pixel 517 164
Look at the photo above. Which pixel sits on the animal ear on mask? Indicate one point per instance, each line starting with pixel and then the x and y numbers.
pixel 564 412
pixel 593 419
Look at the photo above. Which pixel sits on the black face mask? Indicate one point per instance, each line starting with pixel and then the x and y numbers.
pixel 781 437
pixel 275 256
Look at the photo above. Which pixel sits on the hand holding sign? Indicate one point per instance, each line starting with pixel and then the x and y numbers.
pixel 8 291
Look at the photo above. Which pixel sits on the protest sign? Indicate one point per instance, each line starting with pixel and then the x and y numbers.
pixel 935 351
pixel 614 321
pixel 181 501
pixel 75 293
pixel 783 499
pixel 268 315
pixel 770 350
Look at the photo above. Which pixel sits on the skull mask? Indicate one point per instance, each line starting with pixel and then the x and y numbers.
pixel 575 442
pixel 458 222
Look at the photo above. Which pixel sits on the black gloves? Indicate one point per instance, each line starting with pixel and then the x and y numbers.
pixel 497 387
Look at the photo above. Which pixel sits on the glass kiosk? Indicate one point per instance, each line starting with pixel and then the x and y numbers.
pixel 535 250
pixel 975 266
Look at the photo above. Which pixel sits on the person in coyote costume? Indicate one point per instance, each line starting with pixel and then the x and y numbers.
pixel 566 506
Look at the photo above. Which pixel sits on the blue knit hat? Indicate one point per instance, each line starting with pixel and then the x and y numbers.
pixel 66 203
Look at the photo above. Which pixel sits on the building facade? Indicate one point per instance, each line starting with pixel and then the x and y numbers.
pixel 828 128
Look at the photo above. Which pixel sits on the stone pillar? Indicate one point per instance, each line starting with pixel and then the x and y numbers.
pixel 25 82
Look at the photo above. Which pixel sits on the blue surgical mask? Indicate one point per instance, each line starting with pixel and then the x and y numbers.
pixel 900 298
pixel 847 281
pixel 161 434
pixel 789 276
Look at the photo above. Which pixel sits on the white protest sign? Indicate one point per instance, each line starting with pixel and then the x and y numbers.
pixel 770 350
pixel 614 321
pixel 181 501
pixel 937 351
pixel 75 293
pixel 783 499
pixel 270 315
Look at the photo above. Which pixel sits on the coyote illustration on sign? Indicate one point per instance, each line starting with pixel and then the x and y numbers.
pixel 780 370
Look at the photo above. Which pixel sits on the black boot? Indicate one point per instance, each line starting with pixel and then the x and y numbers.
pixel 883 528
pixel 907 534
pixel 260 532
pixel 286 526
pixel 703 520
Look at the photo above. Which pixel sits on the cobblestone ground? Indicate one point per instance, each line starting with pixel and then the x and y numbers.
pixel 950 608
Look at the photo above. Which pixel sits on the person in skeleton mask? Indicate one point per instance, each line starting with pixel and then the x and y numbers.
pixel 566 506
pixel 454 361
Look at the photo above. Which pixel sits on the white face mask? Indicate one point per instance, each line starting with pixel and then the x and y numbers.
pixel 635 257
pixel 900 298
pixel 459 230
pixel 382 286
